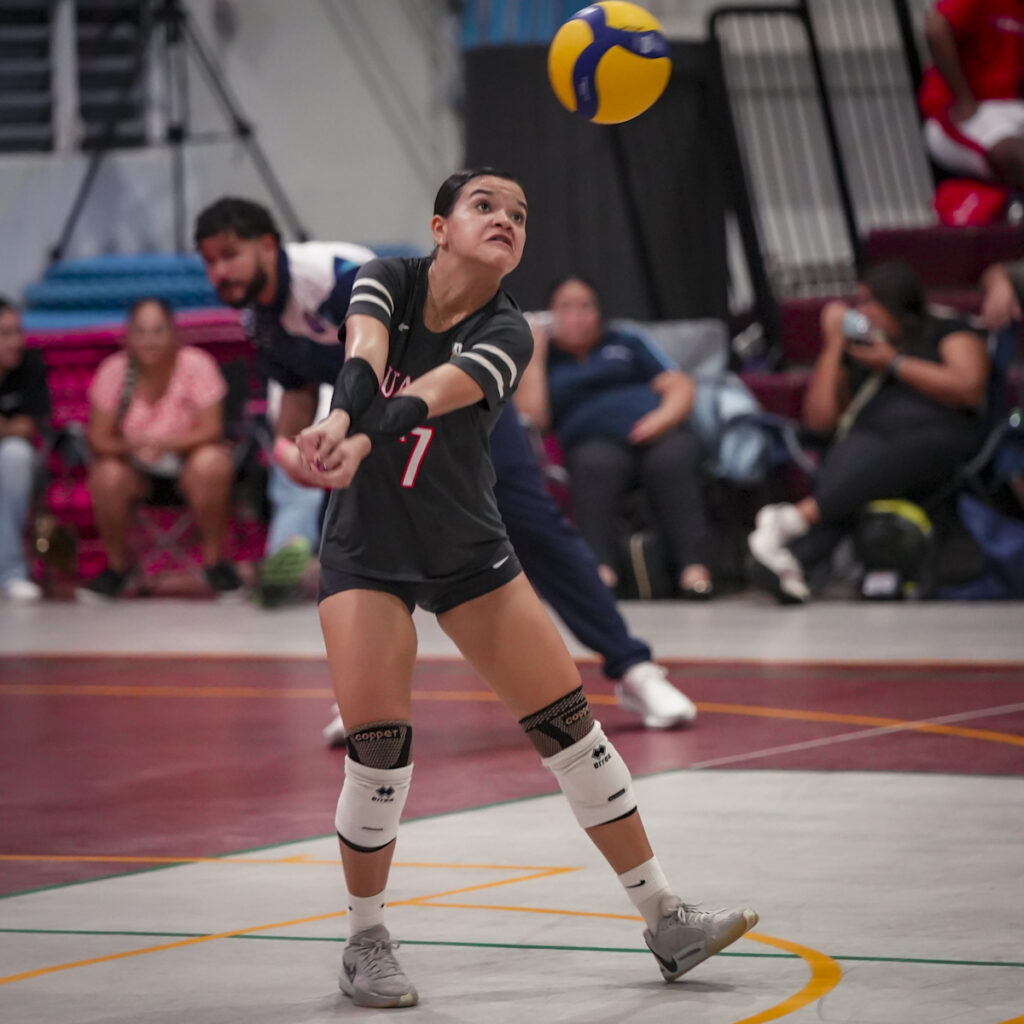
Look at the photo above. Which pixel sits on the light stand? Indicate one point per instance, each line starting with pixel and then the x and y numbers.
pixel 178 36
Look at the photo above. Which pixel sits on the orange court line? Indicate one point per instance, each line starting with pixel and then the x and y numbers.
pixel 825 975
pixel 302 693
pixel 672 661
pixel 428 901
pixel 871 720
pixel 825 972
pixel 543 873
pixel 180 943
pixel 196 940
pixel 302 861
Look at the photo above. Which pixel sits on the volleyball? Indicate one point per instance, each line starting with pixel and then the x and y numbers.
pixel 609 62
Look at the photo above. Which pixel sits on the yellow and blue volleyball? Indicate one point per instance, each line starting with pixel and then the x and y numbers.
pixel 609 62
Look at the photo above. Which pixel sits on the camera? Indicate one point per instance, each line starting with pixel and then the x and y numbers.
pixel 857 328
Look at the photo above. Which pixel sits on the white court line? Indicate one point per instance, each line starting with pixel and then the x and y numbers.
pixel 849 737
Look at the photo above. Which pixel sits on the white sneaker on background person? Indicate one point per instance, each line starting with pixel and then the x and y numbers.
pixel 23 592
pixel 774 567
pixel 646 691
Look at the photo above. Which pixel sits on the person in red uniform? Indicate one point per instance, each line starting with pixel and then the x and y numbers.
pixel 971 95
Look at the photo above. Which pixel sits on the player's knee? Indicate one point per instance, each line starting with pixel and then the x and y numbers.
pixel 589 770
pixel 560 724
pixel 378 773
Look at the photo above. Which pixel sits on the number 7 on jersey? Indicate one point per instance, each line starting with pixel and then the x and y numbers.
pixel 423 435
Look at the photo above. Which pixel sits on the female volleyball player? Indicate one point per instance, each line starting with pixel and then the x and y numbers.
pixel 434 349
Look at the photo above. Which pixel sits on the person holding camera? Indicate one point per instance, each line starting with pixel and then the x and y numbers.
pixel 899 390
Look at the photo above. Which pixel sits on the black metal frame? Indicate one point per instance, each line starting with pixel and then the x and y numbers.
pixel 905 20
pixel 178 35
pixel 743 197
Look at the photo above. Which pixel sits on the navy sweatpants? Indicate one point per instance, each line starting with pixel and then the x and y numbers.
pixel 554 556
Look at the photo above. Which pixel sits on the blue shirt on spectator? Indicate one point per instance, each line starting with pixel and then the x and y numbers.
pixel 605 393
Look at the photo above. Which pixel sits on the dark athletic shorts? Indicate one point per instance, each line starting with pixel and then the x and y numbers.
pixel 436 598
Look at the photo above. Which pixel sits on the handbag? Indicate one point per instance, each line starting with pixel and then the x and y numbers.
pixel 726 418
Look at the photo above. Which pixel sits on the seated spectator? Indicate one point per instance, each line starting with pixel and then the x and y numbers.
pixel 24 410
pixel 900 391
pixel 156 428
pixel 1002 286
pixel 619 406
pixel 971 96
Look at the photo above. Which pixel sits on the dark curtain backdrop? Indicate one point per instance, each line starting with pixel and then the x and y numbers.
pixel 638 208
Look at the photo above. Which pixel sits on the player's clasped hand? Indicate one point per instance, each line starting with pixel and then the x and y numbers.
pixel 332 457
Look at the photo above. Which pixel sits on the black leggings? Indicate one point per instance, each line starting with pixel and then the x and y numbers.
pixel 601 472
pixel 865 466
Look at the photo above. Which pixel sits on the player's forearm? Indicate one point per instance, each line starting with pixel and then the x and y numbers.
pixel 445 389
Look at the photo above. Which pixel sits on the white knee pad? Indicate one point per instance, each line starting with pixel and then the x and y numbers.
pixel 370 805
pixel 594 779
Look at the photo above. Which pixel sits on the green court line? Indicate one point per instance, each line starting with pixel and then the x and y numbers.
pixel 504 945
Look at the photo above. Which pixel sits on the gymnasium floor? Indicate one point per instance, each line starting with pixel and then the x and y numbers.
pixel 855 774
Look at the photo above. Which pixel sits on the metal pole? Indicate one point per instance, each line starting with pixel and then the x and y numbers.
pixel 243 129
pixel 832 136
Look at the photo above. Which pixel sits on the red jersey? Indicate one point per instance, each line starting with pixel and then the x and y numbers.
pixel 990 41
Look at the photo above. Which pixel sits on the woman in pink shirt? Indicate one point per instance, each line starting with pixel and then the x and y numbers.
pixel 156 427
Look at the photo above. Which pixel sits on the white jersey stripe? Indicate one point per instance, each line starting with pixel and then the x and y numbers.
pixel 505 358
pixel 372 282
pixel 376 300
pixel 489 366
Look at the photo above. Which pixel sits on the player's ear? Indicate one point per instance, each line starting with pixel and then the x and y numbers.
pixel 439 229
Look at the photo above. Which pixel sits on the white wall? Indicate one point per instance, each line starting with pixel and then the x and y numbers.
pixel 353 102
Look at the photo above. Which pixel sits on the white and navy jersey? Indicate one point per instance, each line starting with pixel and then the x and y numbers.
pixel 423 508
pixel 296 335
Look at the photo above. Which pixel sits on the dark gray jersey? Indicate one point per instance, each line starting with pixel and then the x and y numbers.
pixel 422 508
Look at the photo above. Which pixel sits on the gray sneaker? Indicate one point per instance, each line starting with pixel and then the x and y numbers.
pixel 370 974
pixel 687 935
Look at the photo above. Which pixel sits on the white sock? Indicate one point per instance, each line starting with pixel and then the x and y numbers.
pixel 645 886
pixel 365 912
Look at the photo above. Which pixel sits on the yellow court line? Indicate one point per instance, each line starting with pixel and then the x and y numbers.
pixel 428 901
pixel 705 707
pixel 163 947
pixel 825 972
pixel 825 975
pixel 180 943
pixel 673 661
pixel 134 690
pixel 543 873
pixel 758 711
pixel 303 861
